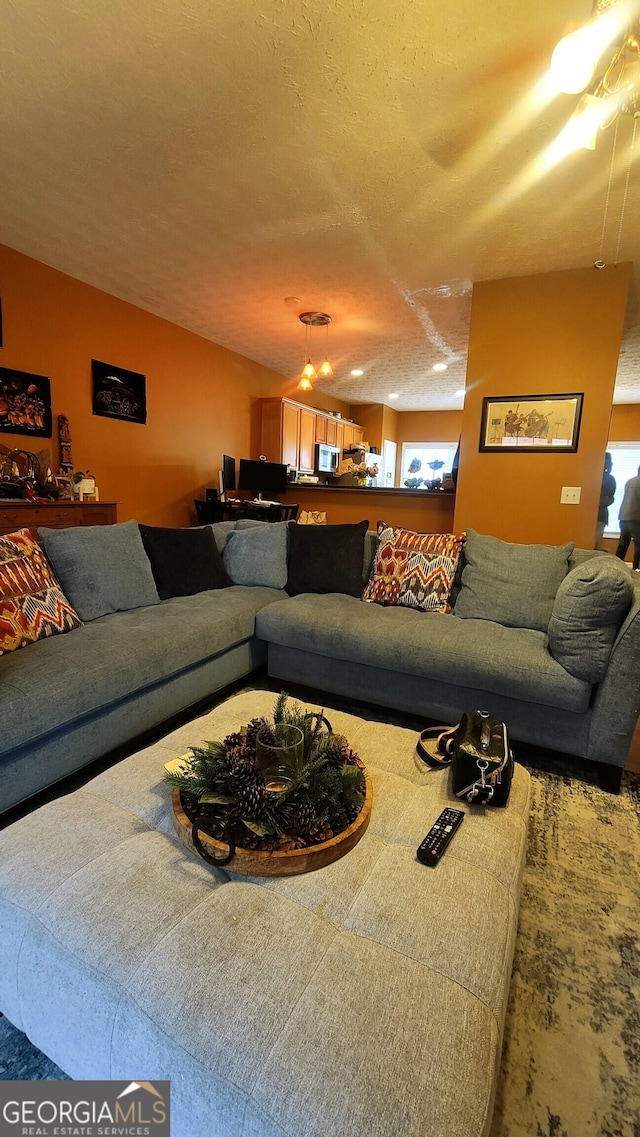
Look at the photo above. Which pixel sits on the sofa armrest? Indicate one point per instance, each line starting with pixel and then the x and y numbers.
pixel 616 700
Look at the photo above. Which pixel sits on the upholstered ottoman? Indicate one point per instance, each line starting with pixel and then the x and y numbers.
pixel 363 1000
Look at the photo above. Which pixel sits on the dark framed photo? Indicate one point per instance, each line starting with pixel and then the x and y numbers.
pixel 118 393
pixel 541 424
pixel 25 403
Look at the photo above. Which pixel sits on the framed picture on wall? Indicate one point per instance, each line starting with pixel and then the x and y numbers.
pixel 544 424
pixel 118 393
pixel 25 403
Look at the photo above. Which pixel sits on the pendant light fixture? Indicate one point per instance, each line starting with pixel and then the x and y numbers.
pixel 602 60
pixel 325 371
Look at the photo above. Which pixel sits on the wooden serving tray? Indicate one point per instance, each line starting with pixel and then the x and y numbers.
pixel 252 862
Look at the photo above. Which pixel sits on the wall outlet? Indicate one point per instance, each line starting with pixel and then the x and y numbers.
pixel 570 495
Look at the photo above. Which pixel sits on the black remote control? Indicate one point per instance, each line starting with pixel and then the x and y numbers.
pixel 439 835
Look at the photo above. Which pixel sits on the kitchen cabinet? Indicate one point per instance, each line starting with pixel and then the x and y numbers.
pixel 290 431
pixel 288 450
pixel 307 441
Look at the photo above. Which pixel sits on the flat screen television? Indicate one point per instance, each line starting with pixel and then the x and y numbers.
pixel 262 478
pixel 228 473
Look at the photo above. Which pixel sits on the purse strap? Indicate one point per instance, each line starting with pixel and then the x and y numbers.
pixel 444 736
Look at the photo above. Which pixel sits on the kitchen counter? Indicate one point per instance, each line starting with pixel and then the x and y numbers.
pixel 426 511
pixel 372 489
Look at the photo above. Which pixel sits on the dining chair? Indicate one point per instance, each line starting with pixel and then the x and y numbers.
pixel 207 512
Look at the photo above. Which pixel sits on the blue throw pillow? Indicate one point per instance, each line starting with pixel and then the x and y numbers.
pixel 102 568
pixel 257 555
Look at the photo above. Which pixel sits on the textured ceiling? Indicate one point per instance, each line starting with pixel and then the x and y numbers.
pixel 205 159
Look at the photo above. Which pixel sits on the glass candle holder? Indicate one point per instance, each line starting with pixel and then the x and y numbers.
pixel 279 761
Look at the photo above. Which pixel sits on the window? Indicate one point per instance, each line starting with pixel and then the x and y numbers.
pixel 625 459
pixel 422 462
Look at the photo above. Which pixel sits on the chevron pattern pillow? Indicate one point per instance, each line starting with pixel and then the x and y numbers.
pixel 32 604
pixel 414 570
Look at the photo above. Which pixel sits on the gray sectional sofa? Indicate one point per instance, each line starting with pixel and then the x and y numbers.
pixel 70 699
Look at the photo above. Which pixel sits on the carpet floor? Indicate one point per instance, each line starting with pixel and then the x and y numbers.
pixel 571 1054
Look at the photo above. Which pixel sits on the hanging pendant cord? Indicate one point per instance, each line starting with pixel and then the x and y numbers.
pixel 626 184
pixel 608 198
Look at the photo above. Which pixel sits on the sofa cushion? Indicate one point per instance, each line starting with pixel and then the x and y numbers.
pixel 415 570
pixel 32 604
pixel 477 654
pixel 326 558
pixel 102 568
pixel 590 605
pixel 257 555
pixel 183 561
pixel 221 531
pixel 512 584
pixel 117 656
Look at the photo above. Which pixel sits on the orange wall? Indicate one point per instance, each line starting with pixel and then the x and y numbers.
pixel 428 426
pixel 202 400
pixel 552 333
pixel 625 423
pixel 389 423
pixel 369 416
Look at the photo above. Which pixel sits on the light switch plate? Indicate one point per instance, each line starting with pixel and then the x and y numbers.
pixel 570 495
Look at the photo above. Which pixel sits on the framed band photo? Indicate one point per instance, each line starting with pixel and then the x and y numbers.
pixel 545 424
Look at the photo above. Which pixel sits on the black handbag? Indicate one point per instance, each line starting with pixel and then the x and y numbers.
pixel 479 754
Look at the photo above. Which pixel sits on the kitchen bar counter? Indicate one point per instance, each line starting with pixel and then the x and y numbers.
pixel 426 511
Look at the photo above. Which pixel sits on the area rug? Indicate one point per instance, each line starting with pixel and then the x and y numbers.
pixel 571 1055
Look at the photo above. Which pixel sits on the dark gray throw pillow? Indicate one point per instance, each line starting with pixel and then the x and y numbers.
pixel 326 558
pixel 183 561
pixel 590 605
pixel 102 568
pixel 511 584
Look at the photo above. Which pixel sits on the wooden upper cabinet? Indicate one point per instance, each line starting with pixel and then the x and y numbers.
pixel 307 441
pixel 290 434
pixel 348 435
pixel 340 444
pixel 291 430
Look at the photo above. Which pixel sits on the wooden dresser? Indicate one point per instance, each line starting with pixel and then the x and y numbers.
pixel 55 514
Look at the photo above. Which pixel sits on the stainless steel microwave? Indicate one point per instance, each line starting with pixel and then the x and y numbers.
pixel 327 458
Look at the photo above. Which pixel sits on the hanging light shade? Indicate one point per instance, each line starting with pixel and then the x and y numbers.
pixel 325 371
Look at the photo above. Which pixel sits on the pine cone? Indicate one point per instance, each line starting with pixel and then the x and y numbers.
pixel 253 728
pixel 320 831
pixel 233 740
pixel 304 818
pixel 353 811
pixel 335 752
pixel 250 800
pixel 242 767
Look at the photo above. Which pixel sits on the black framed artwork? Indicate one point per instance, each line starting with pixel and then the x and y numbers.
pixel 540 424
pixel 118 393
pixel 25 403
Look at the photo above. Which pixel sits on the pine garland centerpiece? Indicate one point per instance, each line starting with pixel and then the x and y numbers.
pixel 223 791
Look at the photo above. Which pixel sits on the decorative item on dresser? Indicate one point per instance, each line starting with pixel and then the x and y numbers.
pixel 55 515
